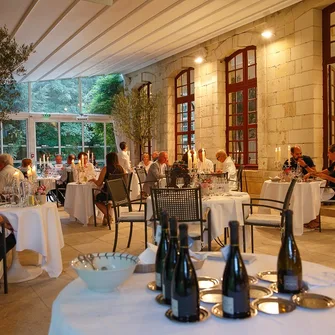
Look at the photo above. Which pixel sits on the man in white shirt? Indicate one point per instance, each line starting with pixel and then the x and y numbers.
pixel 204 164
pixel 156 171
pixel 7 171
pixel 228 166
pixel 124 159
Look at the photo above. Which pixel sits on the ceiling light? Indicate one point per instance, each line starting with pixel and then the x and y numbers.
pixel 199 60
pixel 267 34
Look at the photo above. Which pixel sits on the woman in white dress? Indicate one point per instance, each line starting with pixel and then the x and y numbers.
pixel 146 162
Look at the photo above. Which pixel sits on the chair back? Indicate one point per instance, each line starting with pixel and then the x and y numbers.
pixel 70 178
pixel 118 193
pixel 239 178
pixel 127 177
pixel 184 203
pixel 288 195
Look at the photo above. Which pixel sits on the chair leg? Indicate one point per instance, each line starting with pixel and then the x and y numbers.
pixel 320 222
pixel 209 234
pixel 130 234
pixel 225 236
pixel 244 243
pixel 4 259
pixel 252 238
pixel 116 236
pixel 94 214
pixel 145 235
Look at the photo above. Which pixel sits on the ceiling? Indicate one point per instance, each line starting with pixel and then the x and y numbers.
pixel 77 38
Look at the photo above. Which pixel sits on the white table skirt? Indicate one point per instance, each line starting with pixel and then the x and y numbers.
pixel 305 201
pixel 39 228
pixel 223 209
pixel 50 183
pixel 132 309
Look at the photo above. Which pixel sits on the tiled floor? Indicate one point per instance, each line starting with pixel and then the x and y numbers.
pixel 26 310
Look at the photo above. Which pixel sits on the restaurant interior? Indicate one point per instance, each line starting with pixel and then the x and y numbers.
pixel 218 111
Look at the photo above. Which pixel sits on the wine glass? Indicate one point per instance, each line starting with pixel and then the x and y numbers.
pixel 180 182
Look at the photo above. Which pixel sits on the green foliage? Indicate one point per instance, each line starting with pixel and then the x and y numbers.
pixel 136 116
pixel 12 57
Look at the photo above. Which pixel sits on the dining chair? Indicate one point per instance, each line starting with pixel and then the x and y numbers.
pixel 239 177
pixel 61 189
pixel 141 175
pixel 266 220
pixel 185 204
pixel 327 189
pixel 119 196
pixel 4 249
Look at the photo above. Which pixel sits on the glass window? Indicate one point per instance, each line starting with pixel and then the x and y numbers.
pixel 94 140
pixel 71 138
pixel 46 139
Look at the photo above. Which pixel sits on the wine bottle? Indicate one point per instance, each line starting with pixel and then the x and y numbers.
pixel 235 285
pixel 184 286
pixel 162 249
pixel 170 261
pixel 289 268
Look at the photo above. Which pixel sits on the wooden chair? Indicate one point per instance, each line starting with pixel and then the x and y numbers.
pixel 185 204
pixel 266 220
pixel 119 195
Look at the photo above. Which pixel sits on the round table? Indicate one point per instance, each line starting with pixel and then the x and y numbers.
pixel 132 309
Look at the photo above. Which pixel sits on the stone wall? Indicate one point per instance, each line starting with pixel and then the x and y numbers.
pixel 289 85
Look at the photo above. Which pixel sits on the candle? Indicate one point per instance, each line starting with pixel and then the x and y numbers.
pixel 203 155
pixel 195 160
pixel 189 160
pixel 40 162
pixel 72 162
pixel 88 155
pixel 33 173
pixel 79 163
pixel 276 154
pixel 279 154
pixel 43 159
pixel 289 154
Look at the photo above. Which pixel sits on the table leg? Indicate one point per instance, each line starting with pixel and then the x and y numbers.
pixel 18 273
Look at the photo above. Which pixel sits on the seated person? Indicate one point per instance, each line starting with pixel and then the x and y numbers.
pixel 58 162
pixel 156 171
pixel 67 168
pixel 204 165
pixel 7 171
pixel 89 172
pixel 112 170
pixel 25 164
pixel 146 162
pixel 228 166
pixel 305 162
pixel 155 155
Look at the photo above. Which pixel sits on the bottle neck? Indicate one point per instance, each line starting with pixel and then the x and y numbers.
pixel 234 236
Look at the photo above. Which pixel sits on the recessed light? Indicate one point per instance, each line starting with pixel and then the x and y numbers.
pixel 199 60
pixel 267 34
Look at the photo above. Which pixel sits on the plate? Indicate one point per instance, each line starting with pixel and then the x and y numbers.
pixel 270 276
pixel 160 299
pixel 313 301
pixel 207 282
pixel 257 292
pixel 274 288
pixel 211 295
pixel 217 311
pixel 204 315
pixel 152 286
pixel 274 305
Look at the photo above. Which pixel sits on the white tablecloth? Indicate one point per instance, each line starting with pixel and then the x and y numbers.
pixel 39 228
pixel 50 183
pixel 305 201
pixel 132 309
pixel 223 209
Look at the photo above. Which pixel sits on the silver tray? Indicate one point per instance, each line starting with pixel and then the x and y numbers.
pixel 207 282
pixel 274 288
pixel 270 276
pixel 204 315
pixel 313 301
pixel 160 299
pixel 273 305
pixel 211 295
pixel 257 292
pixel 217 311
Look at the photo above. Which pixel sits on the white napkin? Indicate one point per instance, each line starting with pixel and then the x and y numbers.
pixel 148 256
pixel 247 259
pixel 323 279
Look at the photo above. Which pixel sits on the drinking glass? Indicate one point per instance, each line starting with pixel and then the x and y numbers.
pixel 180 182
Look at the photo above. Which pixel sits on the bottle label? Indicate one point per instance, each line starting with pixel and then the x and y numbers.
pixel 174 306
pixel 228 304
pixel 158 279
pixel 291 283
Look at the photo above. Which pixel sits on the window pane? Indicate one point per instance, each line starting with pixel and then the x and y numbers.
pixel 179 81
pixel 252 119
pixel 232 109
pixel 94 140
pixel 231 64
pixel 332 49
pixel 252 134
pixel 110 139
pixel 191 76
pixel 182 91
pixel 239 95
pixel 332 18
pixel 71 137
pixel 231 77
pixel 14 139
pixel 239 61
pixel 239 76
pixel 252 72
pixel 251 57
pixel 46 134
pixel 239 108
pixel 21 103
pixel 55 96
pixel 192 88
pixel 332 33
pixel 184 78
pixel 252 105
pixel 252 158
pixel 252 93
pixel 239 119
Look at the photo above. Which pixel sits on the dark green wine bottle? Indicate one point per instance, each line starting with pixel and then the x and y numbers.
pixel 170 261
pixel 184 286
pixel 162 249
pixel 289 267
pixel 235 285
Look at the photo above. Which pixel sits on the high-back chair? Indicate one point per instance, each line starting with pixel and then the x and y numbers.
pixel 141 175
pixel 4 250
pixel 119 196
pixel 184 203
pixel 266 220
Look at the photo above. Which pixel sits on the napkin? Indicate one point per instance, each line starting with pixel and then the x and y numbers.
pixel 323 279
pixel 148 256
pixel 247 259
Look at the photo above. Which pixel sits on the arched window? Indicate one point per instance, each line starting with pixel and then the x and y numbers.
pixel 147 88
pixel 184 121
pixel 241 113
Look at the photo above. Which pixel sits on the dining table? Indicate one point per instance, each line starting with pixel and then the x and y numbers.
pixel 132 308
pixel 305 202
pixel 36 228
pixel 48 182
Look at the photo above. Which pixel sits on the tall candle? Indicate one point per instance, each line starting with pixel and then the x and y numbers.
pixel 40 162
pixel 279 154
pixel 33 173
pixel 43 159
pixel 276 154
pixel 79 163
pixel 195 160
pixel 289 154
pixel 203 155
pixel 189 160
pixel 88 155
pixel 72 162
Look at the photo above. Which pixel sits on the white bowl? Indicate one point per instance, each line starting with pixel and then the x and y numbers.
pixel 119 267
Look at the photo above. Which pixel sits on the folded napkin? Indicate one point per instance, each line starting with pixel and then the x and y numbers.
pixel 323 279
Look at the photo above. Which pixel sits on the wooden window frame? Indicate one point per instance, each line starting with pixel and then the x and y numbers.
pixel 243 86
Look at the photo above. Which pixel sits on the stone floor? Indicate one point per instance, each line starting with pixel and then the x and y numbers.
pixel 26 310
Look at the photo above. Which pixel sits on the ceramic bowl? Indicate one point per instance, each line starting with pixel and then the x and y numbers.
pixel 112 270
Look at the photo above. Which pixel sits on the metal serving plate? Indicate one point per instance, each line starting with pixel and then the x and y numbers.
pixel 207 282
pixel 274 288
pixel 217 311
pixel 313 301
pixel 257 292
pixel 270 276
pixel 160 299
pixel 152 286
pixel 273 305
pixel 204 315
pixel 211 295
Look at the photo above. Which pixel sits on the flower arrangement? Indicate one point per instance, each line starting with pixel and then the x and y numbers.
pixel 41 190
